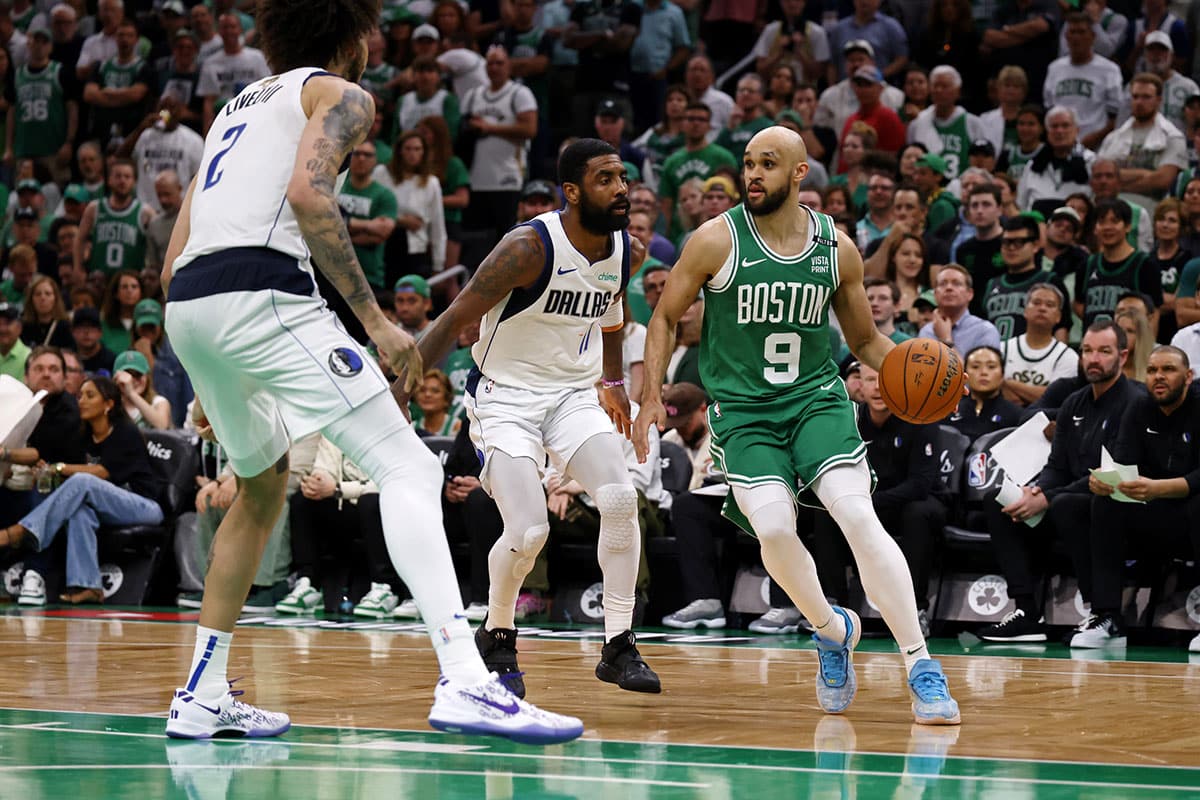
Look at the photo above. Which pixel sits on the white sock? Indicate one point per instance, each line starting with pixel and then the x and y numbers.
pixel 206 679
pixel 456 652
pixel 912 654
pixel 834 629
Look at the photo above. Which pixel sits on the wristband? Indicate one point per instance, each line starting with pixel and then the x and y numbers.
pixel 607 384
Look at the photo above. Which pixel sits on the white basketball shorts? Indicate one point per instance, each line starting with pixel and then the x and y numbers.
pixel 269 367
pixel 522 423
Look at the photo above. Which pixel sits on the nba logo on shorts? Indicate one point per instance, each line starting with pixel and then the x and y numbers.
pixel 344 362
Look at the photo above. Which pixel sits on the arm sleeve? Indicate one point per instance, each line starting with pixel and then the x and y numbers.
pixel 1126 448
pixel 614 316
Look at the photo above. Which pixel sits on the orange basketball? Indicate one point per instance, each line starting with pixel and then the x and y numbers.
pixel 922 380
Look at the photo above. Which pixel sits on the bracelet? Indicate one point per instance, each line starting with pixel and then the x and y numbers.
pixel 607 384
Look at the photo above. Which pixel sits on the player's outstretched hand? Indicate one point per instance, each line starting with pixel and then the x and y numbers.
pixel 400 350
pixel 651 412
pixel 615 403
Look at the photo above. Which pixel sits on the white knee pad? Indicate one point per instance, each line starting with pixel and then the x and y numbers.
pixel 618 506
pixel 526 546
pixel 853 512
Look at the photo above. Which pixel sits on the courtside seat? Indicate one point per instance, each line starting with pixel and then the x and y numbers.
pixel 131 557
pixel 982 482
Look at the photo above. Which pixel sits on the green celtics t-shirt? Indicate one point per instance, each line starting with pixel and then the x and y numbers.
pixel 683 165
pixel 735 140
pixel 457 176
pixel 371 202
pixel 636 293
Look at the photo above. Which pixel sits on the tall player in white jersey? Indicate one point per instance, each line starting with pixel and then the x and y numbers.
pixel 550 298
pixel 272 363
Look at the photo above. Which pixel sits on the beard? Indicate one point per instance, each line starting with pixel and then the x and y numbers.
pixel 769 204
pixel 603 220
pixel 1172 396
pixel 1104 375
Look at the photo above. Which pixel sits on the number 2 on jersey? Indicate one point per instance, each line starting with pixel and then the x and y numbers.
pixel 782 353
pixel 214 175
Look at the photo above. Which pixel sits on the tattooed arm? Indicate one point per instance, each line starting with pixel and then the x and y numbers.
pixel 340 115
pixel 516 262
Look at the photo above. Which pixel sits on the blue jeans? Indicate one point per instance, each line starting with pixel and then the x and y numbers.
pixel 83 503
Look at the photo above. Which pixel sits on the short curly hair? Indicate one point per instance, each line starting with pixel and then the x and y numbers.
pixel 311 33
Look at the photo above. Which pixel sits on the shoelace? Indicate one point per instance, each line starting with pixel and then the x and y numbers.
pixel 833 666
pixel 931 686
pixel 1010 616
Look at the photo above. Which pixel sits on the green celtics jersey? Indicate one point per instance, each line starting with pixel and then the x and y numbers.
pixel 956 141
pixel 766 316
pixel 376 79
pixel 41 112
pixel 735 140
pixel 118 241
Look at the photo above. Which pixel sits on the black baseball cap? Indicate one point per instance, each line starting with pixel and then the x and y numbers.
pixel 85 316
pixel 981 147
pixel 9 312
pixel 539 188
pixel 608 108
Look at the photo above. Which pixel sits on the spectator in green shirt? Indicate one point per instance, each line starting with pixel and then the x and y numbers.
pixel 13 351
pixel 747 117
pixel 696 159
pixel 371 210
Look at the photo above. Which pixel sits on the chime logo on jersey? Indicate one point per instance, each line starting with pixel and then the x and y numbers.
pixel 345 362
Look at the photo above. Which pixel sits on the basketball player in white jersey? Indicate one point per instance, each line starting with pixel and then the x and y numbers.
pixel 272 363
pixel 550 298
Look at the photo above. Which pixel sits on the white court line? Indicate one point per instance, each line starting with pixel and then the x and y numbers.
pixel 698 764
pixel 358 770
pixel 642 743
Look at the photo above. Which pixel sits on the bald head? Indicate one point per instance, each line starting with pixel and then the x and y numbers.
pixel 775 163
pixel 784 143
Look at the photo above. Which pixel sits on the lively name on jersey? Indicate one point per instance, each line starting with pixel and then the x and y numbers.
pixel 588 305
pixel 780 301
pixel 260 95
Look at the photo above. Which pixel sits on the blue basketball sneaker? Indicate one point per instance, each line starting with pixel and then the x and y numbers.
pixel 932 703
pixel 491 709
pixel 836 684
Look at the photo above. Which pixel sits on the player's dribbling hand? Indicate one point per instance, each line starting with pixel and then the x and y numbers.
pixel 400 350
pixel 652 412
pixel 615 403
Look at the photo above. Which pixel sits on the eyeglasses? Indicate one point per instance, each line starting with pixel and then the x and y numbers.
pixel 1017 242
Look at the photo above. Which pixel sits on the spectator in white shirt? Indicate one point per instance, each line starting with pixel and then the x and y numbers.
pixel 1035 359
pixel 102 45
pixel 1149 150
pixel 226 73
pixel 1087 83
pixel 699 79
pixel 420 217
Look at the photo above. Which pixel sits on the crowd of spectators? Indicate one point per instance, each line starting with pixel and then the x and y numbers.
pixel 1020 176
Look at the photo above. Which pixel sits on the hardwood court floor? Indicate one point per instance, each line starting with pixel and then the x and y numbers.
pixel 82 701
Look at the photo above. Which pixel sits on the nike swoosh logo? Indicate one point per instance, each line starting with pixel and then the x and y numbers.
pixel 1150 431
pixel 216 712
pixel 1077 419
pixel 748 263
pixel 562 271
pixel 511 708
pixel 829 385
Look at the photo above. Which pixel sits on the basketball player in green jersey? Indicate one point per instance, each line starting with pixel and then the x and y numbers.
pixel 782 425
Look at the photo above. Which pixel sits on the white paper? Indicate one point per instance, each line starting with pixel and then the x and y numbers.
pixel 1025 451
pixel 1010 493
pixel 1112 473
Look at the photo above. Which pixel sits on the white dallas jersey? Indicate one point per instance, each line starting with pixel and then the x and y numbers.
pixel 1041 367
pixel 240 198
pixel 548 337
